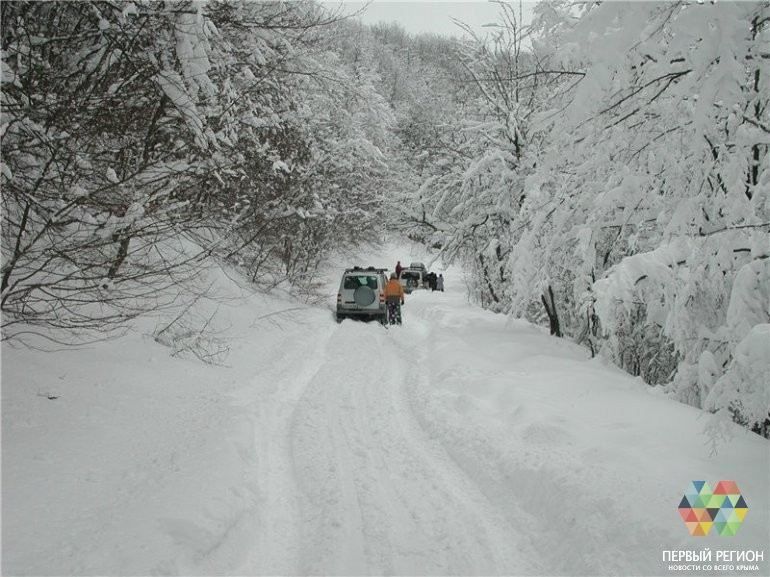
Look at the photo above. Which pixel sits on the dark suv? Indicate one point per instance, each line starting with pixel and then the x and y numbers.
pixel 412 279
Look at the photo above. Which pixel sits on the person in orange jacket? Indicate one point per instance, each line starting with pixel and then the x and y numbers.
pixel 394 298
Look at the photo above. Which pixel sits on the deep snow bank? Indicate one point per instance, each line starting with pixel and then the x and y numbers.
pixel 121 459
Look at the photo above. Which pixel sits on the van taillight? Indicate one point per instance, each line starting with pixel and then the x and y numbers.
pixel 339 297
pixel 382 298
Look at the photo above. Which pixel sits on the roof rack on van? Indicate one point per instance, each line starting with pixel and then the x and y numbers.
pixel 369 268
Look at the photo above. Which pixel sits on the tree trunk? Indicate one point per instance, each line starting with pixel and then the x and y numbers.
pixel 120 257
pixel 550 310
pixel 16 249
pixel 487 279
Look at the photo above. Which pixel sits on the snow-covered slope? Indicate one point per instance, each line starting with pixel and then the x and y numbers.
pixel 460 443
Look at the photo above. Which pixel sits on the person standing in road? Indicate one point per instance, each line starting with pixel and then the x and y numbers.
pixel 440 283
pixel 394 298
pixel 399 268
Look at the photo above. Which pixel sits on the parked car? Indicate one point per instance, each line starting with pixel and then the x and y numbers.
pixel 362 294
pixel 412 279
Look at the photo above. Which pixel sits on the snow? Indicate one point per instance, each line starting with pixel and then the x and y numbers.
pixel 746 384
pixel 280 165
pixel 112 176
pixel 750 298
pixel 463 442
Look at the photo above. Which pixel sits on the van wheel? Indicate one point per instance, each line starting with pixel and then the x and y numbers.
pixel 340 318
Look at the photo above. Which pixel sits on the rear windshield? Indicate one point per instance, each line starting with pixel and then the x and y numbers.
pixel 353 282
pixel 409 275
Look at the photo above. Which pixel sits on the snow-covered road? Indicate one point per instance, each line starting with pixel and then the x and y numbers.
pixel 460 443
pixel 376 492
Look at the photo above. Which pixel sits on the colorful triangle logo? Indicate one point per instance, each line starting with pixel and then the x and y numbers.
pixel 724 509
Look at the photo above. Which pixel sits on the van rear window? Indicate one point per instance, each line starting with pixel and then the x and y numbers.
pixel 353 282
pixel 409 275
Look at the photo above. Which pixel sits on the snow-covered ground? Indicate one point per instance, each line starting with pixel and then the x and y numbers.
pixel 462 442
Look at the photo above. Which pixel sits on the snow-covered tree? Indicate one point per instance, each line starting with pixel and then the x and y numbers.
pixel 139 137
pixel 654 196
pixel 102 131
pixel 612 181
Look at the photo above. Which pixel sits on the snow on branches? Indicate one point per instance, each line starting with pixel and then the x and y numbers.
pixel 632 208
pixel 140 137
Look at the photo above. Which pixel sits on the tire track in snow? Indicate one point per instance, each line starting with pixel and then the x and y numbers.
pixel 418 345
pixel 526 471
pixel 377 494
pixel 272 544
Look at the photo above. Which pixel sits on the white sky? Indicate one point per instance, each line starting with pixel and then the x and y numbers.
pixel 432 16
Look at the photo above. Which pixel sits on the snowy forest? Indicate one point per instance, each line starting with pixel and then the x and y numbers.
pixel 602 170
